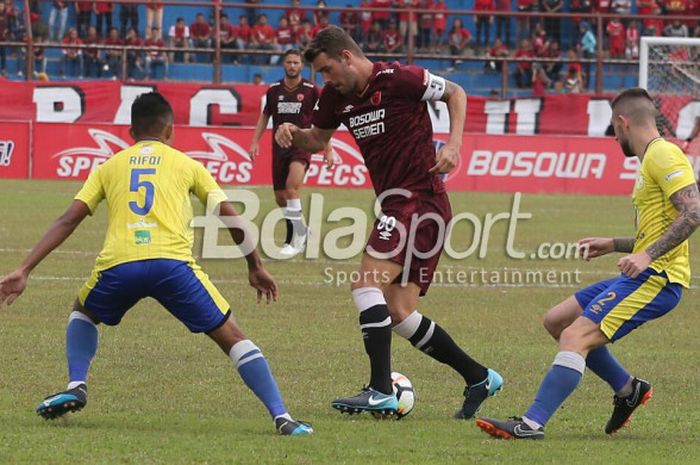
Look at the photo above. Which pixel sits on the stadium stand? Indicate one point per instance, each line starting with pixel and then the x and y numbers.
pixel 477 68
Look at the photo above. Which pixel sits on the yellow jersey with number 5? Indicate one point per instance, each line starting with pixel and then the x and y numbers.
pixel 664 171
pixel 147 188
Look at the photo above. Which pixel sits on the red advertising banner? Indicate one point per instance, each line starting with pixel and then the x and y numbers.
pixel 542 164
pixel 14 150
pixel 240 105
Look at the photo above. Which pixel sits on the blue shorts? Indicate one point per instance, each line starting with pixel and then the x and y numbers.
pixel 181 287
pixel 620 305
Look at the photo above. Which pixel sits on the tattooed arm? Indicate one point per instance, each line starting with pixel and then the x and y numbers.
pixel 687 202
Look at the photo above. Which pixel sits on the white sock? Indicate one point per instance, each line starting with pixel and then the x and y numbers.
pixel 531 423
pixel 286 416
pixel 75 384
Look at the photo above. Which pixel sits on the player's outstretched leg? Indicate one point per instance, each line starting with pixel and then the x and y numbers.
pixel 256 373
pixel 428 337
pixel 561 380
pixel 81 346
pixel 375 323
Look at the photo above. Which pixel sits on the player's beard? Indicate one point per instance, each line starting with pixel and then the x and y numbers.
pixel 626 148
pixel 291 74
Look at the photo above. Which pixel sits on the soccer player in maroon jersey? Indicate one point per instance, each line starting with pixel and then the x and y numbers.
pixel 384 107
pixel 292 100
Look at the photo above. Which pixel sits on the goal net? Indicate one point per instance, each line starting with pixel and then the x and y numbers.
pixel 669 68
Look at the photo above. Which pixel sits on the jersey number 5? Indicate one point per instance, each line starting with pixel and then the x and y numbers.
pixel 136 184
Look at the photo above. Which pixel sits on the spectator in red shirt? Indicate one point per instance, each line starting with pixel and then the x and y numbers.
pixel 522 23
pixel 498 50
pixel 553 68
pixel 92 64
pixel 407 21
pixel 128 14
pixel 113 58
pixel 305 35
pixel 439 22
pixel 155 58
pixel 262 37
pixel 381 16
pixel 285 35
pixel 321 25
pixel 350 21
pixel 503 22
pixel 365 19
pixel 103 14
pixel 523 69
pixel 392 40
pixel 693 9
pixel 295 15
pixel 458 40
pixel 244 33
pixel 227 38
pixel 83 13
pixel 540 81
pixel 179 37
pixel 425 26
pixel 616 38
pixel 154 16
pixel 632 41
pixel 483 22
pixel 134 59
pixel 539 40
pixel 72 62
pixel 320 14
pixel 201 36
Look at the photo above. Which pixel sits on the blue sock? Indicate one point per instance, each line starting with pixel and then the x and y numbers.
pixel 560 382
pixel 601 362
pixel 256 374
pixel 81 345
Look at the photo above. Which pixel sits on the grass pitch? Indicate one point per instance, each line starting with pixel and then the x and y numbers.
pixel 159 395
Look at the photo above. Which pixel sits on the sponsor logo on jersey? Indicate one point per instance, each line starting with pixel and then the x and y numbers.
pixel 348 108
pixel 289 108
pixel 367 124
pixel 6 149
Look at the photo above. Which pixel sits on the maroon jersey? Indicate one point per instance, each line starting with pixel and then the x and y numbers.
pixel 390 124
pixel 294 106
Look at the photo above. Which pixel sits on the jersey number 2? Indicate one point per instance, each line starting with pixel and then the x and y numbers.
pixel 136 184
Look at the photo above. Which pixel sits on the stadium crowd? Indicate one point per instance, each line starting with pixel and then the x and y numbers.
pixel 435 33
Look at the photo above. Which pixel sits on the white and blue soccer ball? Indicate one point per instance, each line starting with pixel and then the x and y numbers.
pixel 403 388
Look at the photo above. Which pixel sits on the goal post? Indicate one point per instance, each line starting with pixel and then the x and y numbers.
pixel 669 68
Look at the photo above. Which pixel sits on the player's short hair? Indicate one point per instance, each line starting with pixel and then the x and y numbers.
pixel 292 51
pixel 150 114
pixel 636 104
pixel 331 41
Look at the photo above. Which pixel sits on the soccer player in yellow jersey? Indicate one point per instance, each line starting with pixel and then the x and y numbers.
pixel 653 275
pixel 147 253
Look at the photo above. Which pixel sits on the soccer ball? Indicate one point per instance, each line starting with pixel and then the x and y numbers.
pixel 404 392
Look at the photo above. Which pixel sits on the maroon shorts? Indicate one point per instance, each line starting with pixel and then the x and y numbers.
pixel 411 232
pixel 280 167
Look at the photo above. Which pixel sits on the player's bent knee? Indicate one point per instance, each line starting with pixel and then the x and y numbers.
pixel 227 335
pixel 553 324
